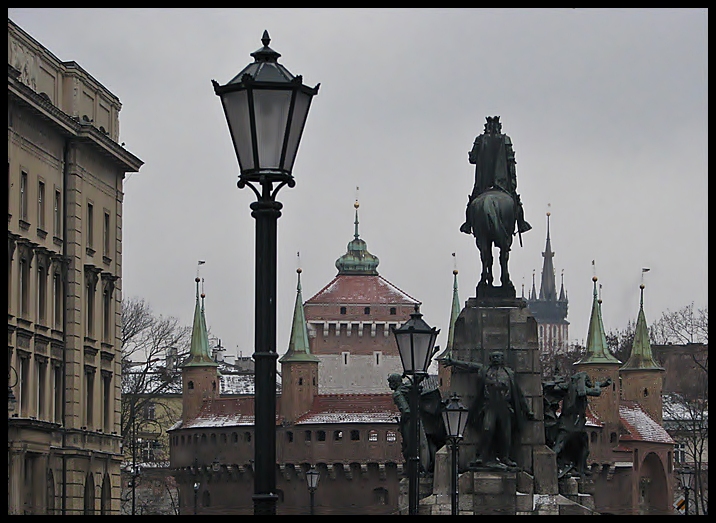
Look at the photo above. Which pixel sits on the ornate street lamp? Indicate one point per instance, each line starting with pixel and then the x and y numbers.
pixel 312 476
pixel 416 342
pixel 455 419
pixel 685 475
pixel 266 109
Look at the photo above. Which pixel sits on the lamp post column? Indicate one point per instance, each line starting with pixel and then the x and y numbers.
pixel 453 477
pixel 266 212
pixel 414 461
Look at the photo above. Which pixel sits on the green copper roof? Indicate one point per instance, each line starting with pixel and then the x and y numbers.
pixel 454 313
pixel 200 354
pixel 597 351
pixel 298 348
pixel 641 356
pixel 357 260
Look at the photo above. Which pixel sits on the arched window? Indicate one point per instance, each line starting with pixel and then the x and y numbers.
pixel 337 435
pixel 191 385
pixel 391 436
pixel 289 436
pixel 247 436
pixel 380 496
pixel 613 437
pixel 355 435
pixel 50 492
pixel 321 435
pixel 373 435
pixel 89 495
pixel 106 501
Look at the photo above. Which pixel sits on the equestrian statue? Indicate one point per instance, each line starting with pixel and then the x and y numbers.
pixel 494 208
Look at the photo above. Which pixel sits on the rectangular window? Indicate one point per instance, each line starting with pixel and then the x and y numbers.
pixel 107 314
pixel 58 394
pixel 107 401
pixel 41 205
pixel 23 196
pixel 57 284
pixel 41 389
pixel 24 389
pixel 90 225
pixel 90 309
pixel 89 379
pixel 106 234
pixel 41 294
pixel 24 286
pixel 680 453
pixel 58 214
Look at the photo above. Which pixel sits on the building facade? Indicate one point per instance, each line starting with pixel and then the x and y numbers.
pixel 65 173
pixel 335 410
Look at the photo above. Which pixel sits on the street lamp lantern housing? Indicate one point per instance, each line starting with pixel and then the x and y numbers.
pixel 266 109
pixel 312 476
pixel 416 340
pixel 196 486
pixel 455 417
pixel 685 475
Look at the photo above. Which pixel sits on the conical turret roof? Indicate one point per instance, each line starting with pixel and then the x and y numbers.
pixel 641 356
pixel 454 313
pixel 199 353
pixel 298 346
pixel 597 351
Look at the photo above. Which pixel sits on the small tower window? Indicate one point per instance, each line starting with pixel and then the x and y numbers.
pixel 393 311
pixel 355 435
pixel 321 436
pixel 343 310
pixel 646 392
pixel 300 381
pixel 191 385
pixel 289 436
pixel 366 310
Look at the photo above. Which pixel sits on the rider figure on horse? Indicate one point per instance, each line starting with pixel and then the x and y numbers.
pixel 494 161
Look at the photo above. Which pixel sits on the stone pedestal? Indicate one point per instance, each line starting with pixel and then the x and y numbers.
pixel 499 324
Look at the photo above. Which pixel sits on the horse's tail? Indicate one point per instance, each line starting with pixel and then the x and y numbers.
pixel 495 223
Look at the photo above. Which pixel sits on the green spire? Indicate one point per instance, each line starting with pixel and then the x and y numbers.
pixel 199 355
pixel 298 348
pixel 641 356
pixel 454 313
pixel 597 351
pixel 357 260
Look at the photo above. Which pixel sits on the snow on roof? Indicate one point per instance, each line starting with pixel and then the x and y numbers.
pixel 639 425
pixel 363 289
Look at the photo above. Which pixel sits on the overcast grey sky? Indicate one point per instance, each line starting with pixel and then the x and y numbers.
pixel 607 111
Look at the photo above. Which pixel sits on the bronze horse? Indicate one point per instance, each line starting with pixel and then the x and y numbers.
pixel 492 216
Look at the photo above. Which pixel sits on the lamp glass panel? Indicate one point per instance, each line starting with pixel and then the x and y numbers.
pixel 271 110
pixel 236 108
pixel 298 121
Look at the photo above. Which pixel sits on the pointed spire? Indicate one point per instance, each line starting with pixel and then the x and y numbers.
pixel 298 346
pixel 357 260
pixel 597 351
pixel 562 294
pixel 454 313
pixel 641 356
pixel 533 292
pixel 547 287
pixel 199 353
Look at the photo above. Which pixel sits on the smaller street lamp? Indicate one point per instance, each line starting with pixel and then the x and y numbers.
pixel 312 476
pixel 685 475
pixel 196 494
pixel 416 342
pixel 455 418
